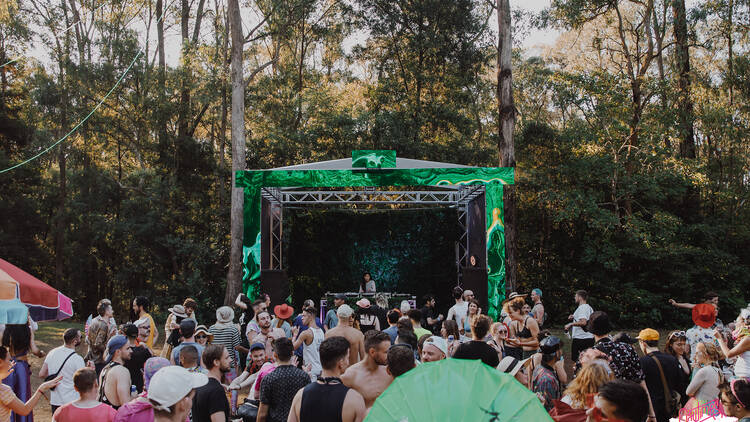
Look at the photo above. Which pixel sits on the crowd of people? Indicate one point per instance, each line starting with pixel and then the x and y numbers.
pixel 292 366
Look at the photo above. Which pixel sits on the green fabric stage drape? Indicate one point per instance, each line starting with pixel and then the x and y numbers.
pixel 493 177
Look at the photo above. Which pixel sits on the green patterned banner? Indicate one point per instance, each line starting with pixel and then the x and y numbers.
pixel 493 177
pixel 368 158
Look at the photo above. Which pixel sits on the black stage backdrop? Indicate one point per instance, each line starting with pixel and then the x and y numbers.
pixel 406 251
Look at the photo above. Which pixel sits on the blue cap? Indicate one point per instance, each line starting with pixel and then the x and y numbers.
pixel 257 346
pixel 115 343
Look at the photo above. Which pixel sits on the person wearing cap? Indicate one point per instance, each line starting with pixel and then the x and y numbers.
pixel 202 336
pixel 544 380
pixel 704 317
pixel 516 368
pixel 331 320
pixel 537 311
pixel 65 361
pixel 187 331
pixel 139 354
pixel 366 317
pixel 735 399
pixel 354 336
pixel 172 392
pixel 114 380
pixel 86 408
pixel 648 340
pixel 140 309
pixel 248 376
pixel 369 376
pixel 210 402
pixel 458 311
pixel 434 349
pixel 582 339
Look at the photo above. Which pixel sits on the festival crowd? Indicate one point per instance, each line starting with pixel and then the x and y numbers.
pixel 291 366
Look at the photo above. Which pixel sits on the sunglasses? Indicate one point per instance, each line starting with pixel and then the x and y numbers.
pixel 201 337
pixel 678 334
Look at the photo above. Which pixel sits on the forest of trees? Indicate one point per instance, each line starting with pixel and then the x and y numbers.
pixel 631 134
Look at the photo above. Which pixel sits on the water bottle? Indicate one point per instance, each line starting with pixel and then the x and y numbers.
pixel 133 390
pixel 450 338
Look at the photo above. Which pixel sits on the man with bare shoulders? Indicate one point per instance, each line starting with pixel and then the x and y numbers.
pixel 328 399
pixel 351 334
pixel 114 380
pixel 369 376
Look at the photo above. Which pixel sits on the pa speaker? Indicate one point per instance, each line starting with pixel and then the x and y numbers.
pixel 475 279
pixel 276 284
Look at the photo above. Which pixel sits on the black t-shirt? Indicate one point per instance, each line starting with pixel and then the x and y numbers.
pixel 431 313
pixel 138 358
pixel 277 390
pixel 381 314
pixel 208 400
pixel 477 350
pixel 672 373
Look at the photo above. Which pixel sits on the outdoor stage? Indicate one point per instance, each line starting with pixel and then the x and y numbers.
pixel 366 179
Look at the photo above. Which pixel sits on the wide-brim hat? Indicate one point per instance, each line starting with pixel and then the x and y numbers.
pixel 363 303
pixel 704 315
pixel 283 311
pixel 512 296
pixel 224 314
pixel 511 365
pixel 178 310
pixel 202 329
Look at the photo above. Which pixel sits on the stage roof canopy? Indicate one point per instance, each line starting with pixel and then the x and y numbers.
pixel 346 164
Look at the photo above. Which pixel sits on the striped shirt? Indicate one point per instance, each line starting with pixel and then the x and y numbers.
pixel 227 336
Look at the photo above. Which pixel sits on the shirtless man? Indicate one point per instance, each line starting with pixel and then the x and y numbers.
pixel 114 380
pixel 267 335
pixel 351 334
pixel 369 376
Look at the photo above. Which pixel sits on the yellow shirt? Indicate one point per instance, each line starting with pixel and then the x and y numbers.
pixel 150 338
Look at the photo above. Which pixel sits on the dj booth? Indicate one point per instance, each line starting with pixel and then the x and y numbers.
pixel 394 300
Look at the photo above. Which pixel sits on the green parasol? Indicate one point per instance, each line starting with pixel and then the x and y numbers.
pixel 457 390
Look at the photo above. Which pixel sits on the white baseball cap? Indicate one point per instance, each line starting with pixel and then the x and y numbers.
pixel 171 384
pixel 345 311
pixel 437 342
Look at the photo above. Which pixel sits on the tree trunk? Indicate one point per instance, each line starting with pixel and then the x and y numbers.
pixel 506 122
pixel 730 51
pixel 161 107
pixel 684 102
pixel 659 31
pixel 234 277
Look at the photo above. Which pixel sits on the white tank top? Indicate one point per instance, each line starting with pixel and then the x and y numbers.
pixel 311 354
pixel 742 366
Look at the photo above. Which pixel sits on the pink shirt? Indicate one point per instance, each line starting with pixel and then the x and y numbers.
pixel 70 413
pixel 266 369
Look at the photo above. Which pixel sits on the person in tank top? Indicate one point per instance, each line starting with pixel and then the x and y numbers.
pixel 328 399
pixel 310 340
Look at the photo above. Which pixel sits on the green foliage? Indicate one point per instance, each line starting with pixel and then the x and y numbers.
pixel 144 207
